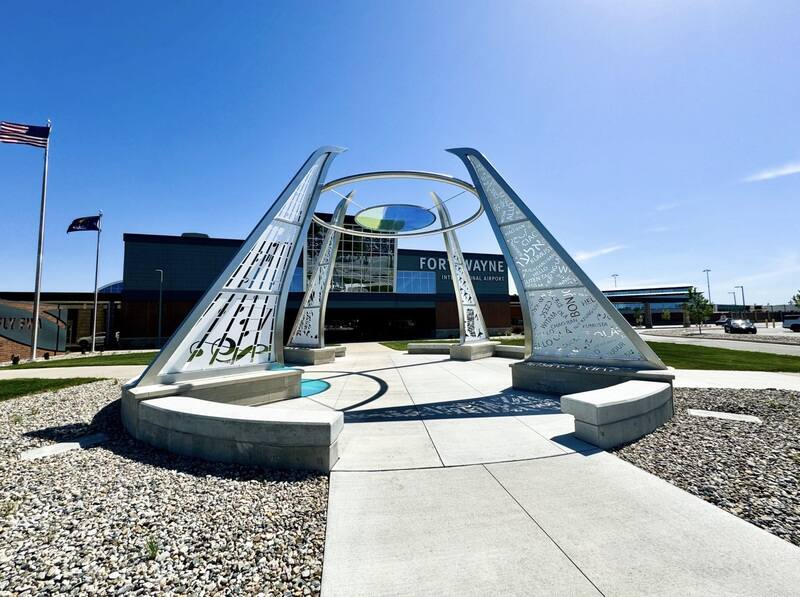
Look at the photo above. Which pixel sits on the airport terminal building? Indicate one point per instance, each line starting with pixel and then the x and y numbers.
pixel 378 291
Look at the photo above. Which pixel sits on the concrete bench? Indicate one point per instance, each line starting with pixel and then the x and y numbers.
pixel 509 352
pixel 619 414
pixel 289 438
pixel 250 388
pixel 457 352
pixel 473 350
pixel 429 347
pixel 301 355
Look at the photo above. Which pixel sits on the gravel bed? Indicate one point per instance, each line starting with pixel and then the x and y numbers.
pixel 125 518
pixel 715 333
pixel 751 470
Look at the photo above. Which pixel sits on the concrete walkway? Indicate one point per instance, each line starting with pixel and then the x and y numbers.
pixel 571 525
pixel 449 483
pixel 124 372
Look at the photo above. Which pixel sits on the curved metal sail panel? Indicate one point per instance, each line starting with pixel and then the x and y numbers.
pixel 567 318
pixel 309 327
pixel 238 325
pixel 470 318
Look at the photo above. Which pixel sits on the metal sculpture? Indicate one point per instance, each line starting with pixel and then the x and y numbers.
pixel 472 327
pixel 567 318
pixel 309 326
pixel 238 324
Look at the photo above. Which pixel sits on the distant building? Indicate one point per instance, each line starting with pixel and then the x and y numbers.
pixel 664 303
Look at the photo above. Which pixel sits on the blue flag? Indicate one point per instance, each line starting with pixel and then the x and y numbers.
pixel 87 223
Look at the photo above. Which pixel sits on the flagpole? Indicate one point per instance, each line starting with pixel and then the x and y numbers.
pixel 96 270
pixel 39 255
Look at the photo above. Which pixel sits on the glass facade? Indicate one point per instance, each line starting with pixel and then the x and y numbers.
pixel 655 306
pixel 362 264
pixel 416 282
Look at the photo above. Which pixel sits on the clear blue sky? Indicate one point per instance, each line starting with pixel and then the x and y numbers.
pixel 654 139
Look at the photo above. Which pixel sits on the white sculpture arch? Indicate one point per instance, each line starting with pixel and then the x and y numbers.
pixel 567 318
pixel 238 324
pixel 472 327
pixel 309 325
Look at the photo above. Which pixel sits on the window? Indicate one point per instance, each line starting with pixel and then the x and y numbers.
pixel 362 264
pixel 416 282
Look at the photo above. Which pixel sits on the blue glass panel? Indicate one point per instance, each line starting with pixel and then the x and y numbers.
pixel 409 282
pixel 395 218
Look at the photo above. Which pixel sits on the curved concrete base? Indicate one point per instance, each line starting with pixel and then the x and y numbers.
pixel 215 419
pixel 295 439
pixel 567 378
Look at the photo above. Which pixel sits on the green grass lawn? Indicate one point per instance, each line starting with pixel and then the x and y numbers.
pixel 687 356
pixel 13 388
pixel 133 358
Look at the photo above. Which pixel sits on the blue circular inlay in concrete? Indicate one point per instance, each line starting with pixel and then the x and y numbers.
pixel 309 387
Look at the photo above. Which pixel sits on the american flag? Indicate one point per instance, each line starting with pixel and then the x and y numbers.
pixel 37 136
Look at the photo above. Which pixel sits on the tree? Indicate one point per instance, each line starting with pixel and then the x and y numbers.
pixel 795 300
pixel 666 315
pixel 699 308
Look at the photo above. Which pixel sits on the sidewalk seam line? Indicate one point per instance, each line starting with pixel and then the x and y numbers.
pixel 524 509
pixel 427 431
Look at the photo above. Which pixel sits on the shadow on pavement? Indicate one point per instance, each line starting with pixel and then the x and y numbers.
pixel 507 403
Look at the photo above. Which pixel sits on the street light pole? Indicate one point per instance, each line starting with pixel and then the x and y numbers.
pixel 160 302
pixel 742 289
pixel 708 284
pixel 734 298
pixel 615 276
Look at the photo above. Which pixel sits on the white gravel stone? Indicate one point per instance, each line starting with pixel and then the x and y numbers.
pixel 750 470
pixel 123 518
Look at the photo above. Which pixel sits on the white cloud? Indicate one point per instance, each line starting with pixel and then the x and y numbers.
pixel 777 172
pixel 587 255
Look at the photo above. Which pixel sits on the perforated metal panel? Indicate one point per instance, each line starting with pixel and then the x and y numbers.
pixel 471 323
pixel 309 327
pixel 566 317
pixel 237 325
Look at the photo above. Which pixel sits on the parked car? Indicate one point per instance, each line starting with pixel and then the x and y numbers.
pixel 792 323
pixel 740 326
pixel 85 342
pixel 722 320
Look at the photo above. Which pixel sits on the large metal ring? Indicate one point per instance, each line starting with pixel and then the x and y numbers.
pixel 445 178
